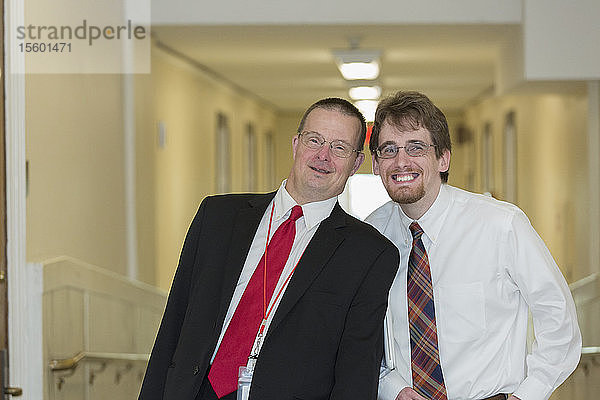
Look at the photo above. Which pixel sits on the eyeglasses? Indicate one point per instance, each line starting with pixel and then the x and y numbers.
pixel 314 141
pixel 413 149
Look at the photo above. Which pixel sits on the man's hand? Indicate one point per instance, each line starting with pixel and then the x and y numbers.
pixel 409 393
pixel 513 398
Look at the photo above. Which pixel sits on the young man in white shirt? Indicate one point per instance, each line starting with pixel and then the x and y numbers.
pixel 487 266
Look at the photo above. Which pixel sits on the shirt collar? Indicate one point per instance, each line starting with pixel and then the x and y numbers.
pixel 432 221
pixel 313 213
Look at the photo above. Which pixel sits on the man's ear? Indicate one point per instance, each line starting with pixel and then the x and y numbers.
pixel 374 164
pixel 444 161
pixel 360 158
pixel 294 146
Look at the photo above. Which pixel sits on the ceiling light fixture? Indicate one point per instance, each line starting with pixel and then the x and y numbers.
pixel 357 63
pixel 364 92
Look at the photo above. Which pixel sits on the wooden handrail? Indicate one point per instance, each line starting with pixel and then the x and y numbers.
pixel 71 363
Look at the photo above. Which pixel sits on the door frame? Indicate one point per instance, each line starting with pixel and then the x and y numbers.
pixel 3 263
pixel 24 359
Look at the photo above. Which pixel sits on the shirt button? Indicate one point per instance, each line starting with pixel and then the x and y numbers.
pixel 196 370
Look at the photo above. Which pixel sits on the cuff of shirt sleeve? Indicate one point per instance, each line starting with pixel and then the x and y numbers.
pixel 533 389
pixel 390 385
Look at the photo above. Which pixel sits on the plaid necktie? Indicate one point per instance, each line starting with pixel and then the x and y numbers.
pixel 242 330
pixel 428 379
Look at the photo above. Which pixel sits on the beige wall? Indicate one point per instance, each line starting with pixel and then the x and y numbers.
pixel 75 204
pixel 182 173
pixel 145 154
pixel 551 167
pixel 76 201
pixel 287 125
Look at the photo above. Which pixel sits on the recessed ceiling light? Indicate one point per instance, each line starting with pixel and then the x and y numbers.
pixel 359 70
pixel 364 92
pixel 357 63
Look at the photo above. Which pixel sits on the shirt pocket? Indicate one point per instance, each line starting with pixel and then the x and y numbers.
pixel 461 312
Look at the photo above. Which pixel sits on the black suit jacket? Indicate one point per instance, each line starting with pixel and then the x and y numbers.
pixel 325 340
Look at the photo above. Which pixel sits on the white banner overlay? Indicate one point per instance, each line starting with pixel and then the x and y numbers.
pixel 82 36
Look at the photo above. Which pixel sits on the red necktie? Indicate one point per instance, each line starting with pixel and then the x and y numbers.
pixel 243 328
pixel 428 379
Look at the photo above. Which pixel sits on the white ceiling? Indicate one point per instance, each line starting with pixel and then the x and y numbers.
pixel 291 66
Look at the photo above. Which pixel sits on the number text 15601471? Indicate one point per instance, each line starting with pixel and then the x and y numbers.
pixel 62 47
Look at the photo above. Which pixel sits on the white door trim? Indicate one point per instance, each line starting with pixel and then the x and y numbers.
pixel 24 360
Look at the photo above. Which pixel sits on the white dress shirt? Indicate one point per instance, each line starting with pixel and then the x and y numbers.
pixel 306 226
pixel 489 268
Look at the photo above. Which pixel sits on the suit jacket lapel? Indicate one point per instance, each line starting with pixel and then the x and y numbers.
pixel 244 228
pixel 320 249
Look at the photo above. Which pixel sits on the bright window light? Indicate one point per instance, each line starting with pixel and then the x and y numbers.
pixel 360 70
pixel 367 107
pixel 363 194
pixel 365 92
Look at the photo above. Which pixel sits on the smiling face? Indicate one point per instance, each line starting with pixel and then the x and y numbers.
pixel 413 182
pixel 318 175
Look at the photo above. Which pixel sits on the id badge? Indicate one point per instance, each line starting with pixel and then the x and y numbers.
pixel 245 380
pixel 388 363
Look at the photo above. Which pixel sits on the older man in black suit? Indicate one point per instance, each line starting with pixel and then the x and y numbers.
pixel 285 285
